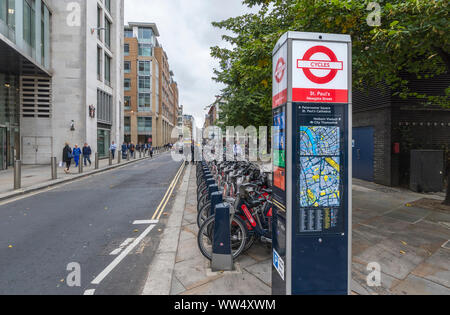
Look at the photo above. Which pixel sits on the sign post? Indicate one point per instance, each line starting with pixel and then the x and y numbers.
pixel 312 112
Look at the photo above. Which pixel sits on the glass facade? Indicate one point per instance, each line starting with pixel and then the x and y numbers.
pixel 9 120
pixel 145 125
pixel 103 142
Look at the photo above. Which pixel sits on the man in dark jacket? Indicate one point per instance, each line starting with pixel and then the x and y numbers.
pixel 67 157
pixel 87 152
pixel 124 150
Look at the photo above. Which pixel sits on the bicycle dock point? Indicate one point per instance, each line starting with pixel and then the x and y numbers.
pixel 312 175
pixel 222 258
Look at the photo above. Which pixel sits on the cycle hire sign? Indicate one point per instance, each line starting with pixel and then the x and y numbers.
pixel 320 72
pixel 280 74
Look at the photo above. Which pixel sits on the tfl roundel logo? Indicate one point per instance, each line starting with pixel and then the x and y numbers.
pixel 280 70
pixel 333 65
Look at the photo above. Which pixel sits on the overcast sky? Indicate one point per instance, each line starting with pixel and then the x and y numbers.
pixel 186 34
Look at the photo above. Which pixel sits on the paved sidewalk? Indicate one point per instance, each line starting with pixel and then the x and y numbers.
pixel 38 177
pixel 411 245
pixel 192 273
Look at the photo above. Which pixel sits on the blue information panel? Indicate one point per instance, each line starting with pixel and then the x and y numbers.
pixel 320 241
pixel 321 168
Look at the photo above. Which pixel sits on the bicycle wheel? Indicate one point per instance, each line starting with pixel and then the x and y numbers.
pixel 238 237
pixel 202 202
pixel 203 214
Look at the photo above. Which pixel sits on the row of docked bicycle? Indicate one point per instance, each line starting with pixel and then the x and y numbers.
pixel 246 192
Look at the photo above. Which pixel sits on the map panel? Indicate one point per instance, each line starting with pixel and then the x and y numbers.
pixel 319 141
pixel 320 182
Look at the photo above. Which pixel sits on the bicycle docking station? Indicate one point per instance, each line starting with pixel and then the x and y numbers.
pixel 312 174
pixel 222 258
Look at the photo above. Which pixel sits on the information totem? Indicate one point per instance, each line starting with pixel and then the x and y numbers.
pixel 312 176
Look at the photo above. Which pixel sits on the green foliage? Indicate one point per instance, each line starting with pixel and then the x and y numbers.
pixel 412 39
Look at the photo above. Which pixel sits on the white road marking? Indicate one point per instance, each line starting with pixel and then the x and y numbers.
pixel 119 258
pixel 89 292
pixel 121 247
pixel 145 222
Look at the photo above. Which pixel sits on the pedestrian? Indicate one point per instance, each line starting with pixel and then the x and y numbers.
pixel 76 155
pixel 138 147
pixel 124 150
pixel 150 149
pixel 87 152
pixel 67 157
pixel 193 151
pixel 132 149
pixel 113 149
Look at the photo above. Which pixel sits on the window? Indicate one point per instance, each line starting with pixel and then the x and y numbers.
pixel 127 84
pixel 108 5
pixel 127 66
pixel 99 63
pixel 144 84
pixel 107 69
pixel 127 124
pixel 29 25
pixel 7 13
pixel 126 49
pixel 145 50
pixel 128 34
pixel 104 107
pixel 107 32
pixel 127 104
pixel 145 34
pixel 145 102
pixel 99 22
pixel 144 68
pixel 145 124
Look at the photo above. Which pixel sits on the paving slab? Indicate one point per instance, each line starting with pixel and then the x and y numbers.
pixel 262 271
pixel 395 259
pixel 414 285
pixel 436 268
pixel 177 287
pixel 410 215
pixel 188 249
pixel 192 272
pixel 237 285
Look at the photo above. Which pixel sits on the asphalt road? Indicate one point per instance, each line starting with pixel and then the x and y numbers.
pixel 84 222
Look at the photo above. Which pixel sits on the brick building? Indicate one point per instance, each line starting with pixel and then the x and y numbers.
pixel 151 94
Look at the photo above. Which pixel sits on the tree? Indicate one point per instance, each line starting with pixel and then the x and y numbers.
pixel 413 39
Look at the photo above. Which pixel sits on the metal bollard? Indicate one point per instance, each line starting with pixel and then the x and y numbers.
pixel 17 174
pixel 128 156
pixel 135 155
pixel 80 165
pixel 110 158
pixel 119 157
pixel 222 257
pixel 97 161
pixel 54 167
pixel 140 154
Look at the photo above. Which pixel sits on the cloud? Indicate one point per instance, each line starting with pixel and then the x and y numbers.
pixel 186 36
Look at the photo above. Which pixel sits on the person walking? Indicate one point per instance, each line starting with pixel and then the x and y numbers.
pixel 132 149
pixel 124 150
pixel 150 149
pixel 67 157
pixel 76 155
pixel 193 151
pixel 87 152
pixel 113 149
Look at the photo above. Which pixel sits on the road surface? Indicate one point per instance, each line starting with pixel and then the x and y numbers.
pixel 88 223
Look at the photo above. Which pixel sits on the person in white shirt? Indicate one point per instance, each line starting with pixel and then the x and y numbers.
pixel 113 149
pixel 237 151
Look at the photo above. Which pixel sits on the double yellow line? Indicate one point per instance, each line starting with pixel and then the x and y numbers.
pixel 159 211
